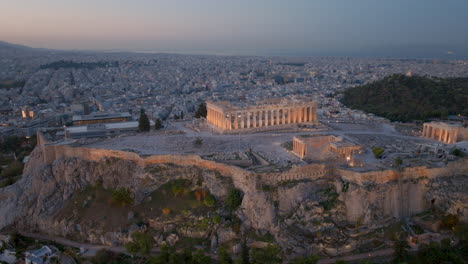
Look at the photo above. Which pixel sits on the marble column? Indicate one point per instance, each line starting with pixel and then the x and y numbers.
pixel 254 119
pixel 275 117
pixel 248 119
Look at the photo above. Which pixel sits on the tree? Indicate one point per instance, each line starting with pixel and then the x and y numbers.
pixel 209 200
pixel 200 258
pixel 306 260
pixel 223 256
pixel 122 196
pixel 158 124
pixel 234 199
pixel 377 152
pixel 400 248
pixel 142 244
pixel 143 122
pixel 201 111
pixel 268 255
pixel 245 254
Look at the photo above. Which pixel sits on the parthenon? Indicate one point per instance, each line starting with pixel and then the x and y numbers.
pixel 274 112
pixel 445 132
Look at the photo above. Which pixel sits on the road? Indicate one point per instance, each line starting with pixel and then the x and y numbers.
pixel 90 249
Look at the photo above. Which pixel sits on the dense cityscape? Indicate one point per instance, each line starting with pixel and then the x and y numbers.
pixel 234 132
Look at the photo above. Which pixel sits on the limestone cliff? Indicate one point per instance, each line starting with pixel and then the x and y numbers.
pixel 308 209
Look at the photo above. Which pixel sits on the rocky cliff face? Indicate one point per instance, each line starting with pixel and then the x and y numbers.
pixel 305 216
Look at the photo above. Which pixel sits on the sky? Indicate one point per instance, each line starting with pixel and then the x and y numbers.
pixel 242 27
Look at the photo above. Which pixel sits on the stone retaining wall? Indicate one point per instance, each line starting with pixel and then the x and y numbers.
pixel 247 178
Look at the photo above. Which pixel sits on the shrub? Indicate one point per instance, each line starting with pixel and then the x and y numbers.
pixel 209 200
pixel 223 256
pixel 234 199
pixel 198 142
pixel 14 169
pixel 306 260
pixel 270 255
pixel 141 244
pixel 378 152
pixel 179 186
pixel 457 152
pixel 122 196
pixel 450 221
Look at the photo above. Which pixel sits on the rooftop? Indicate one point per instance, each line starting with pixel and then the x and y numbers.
pixel 100 115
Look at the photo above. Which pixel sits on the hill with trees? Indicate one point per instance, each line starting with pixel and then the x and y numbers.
pixel 402 98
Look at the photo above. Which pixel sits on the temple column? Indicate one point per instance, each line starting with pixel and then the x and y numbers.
pixel 248 119
pixel 306 114
pixel 283 117
pixel 254 119
pixel 242 120
pixel 274 113
pixel 289 116
pixel 299 115
pixel 311 114
pixel 267 118
pixel 303 114
pixel 236 121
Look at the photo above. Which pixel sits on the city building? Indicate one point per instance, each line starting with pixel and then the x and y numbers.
pixel 272 112
pixel 100 118
pixel 448 133
pixel 101 130
pixel 324 146
pixel 40 256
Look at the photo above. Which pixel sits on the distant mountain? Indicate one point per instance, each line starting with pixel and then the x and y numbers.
pixel 402 98
pixel 6 45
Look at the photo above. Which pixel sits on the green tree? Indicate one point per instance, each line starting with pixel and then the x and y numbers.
pixel 268 255
pixel 245 254
pixel 143 122
pixel 141 244
pixel 201 111
pixel 234 199
pixel 223 256
pixel 122 196
pixel 200 258
pixel 158 124
pixel 209 200
pixel 400 248
pixel 306 260
pixel 378 152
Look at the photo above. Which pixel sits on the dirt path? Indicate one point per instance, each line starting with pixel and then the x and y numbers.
pixel 374 254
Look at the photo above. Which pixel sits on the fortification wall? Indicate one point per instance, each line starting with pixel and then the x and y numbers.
pixel 413 173
pixel 308 172
pixel 247 178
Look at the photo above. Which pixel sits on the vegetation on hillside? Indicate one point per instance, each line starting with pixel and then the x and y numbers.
pixel 402 98
pixel 13 150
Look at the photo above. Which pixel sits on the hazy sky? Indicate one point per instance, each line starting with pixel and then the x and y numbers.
pixel 283 27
